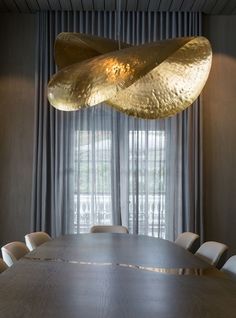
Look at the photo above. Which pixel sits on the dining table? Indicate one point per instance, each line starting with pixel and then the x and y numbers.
pixel 107 275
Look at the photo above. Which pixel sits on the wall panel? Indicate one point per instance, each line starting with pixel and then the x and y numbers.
pixel 219 137
pixel 17 62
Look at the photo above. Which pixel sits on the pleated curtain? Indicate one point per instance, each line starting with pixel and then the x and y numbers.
pixel 100 166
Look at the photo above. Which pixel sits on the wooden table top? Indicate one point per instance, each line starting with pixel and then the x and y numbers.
pixel 114 275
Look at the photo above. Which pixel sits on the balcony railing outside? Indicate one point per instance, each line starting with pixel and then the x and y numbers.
pixel 89 210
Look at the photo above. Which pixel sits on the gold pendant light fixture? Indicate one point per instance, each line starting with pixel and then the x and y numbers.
pixel 153 80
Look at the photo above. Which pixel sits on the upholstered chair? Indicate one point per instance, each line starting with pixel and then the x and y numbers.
pixel 13 251
pixel 213 253
pixel 109 229
pixel 230 265
pixel 188 240
pixel 3 265
pixel 35 239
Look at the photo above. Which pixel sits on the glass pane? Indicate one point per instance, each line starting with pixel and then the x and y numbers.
pixel 147 175
pixel 92 197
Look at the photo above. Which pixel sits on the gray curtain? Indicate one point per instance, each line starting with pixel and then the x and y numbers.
pixel 100 166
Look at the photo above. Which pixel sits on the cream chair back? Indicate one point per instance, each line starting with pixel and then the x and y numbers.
pixel 230 265
pixel 213 253
pixel 188 240
pixel 13 251
pixel 35 239
pixel 109 229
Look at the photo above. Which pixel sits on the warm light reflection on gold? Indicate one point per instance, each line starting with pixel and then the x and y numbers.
pixel 115 69
pixel 150 81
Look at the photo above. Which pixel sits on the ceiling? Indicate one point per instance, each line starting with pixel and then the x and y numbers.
pixel 206 6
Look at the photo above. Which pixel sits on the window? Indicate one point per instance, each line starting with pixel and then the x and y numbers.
pixel 145 179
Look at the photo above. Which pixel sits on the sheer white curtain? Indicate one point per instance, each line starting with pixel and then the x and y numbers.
pixel 100 166
pixel 119 172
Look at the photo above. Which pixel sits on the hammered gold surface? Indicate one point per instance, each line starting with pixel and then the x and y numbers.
pixel 73 48
pixel 170 87
pixel 150 81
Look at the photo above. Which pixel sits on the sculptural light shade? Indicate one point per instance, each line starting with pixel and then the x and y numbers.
pixel 154 80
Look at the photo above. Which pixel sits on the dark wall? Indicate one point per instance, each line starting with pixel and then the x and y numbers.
pixel 219 113
pixel 17 61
